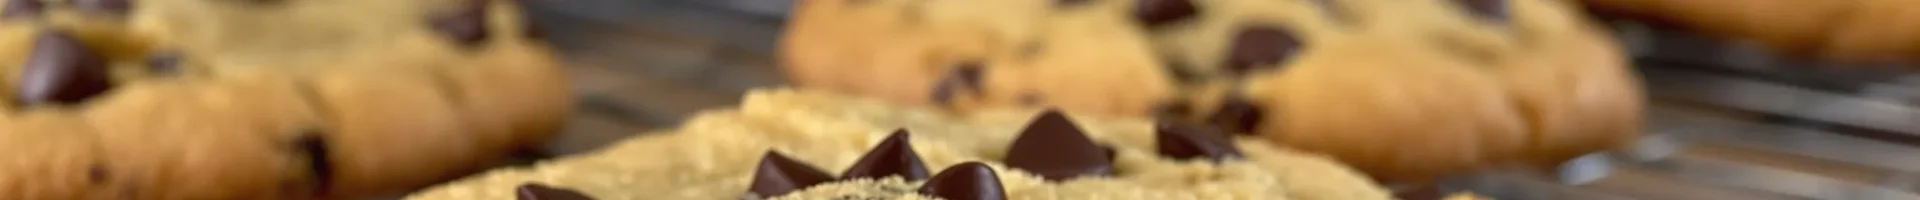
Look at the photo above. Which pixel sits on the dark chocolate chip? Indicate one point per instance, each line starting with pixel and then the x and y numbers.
pixel 1260 48
pixel 535 191
pixel 97 174
pixel 114 7
pixel 61 70
pixel 1054 148
pixel 968 74
pixel 1239 116
pixel 466 24
pixel 779 174
pixel 164 63
pixel 894 156
pixel 1495 10
pixel 314 146
pixel 964 78
pixel 1185 141
pixel 1154 13
pixel 965 181
pixel 22 8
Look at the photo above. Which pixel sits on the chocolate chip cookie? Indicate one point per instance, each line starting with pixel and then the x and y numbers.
pixel 222 99
pixel 785 144
pixel 1860 31
pixel 968 54
pixel 1409 90
pixel 1406 90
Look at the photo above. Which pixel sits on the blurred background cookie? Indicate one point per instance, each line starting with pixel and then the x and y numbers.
pixel 1470 84
pixel 193 99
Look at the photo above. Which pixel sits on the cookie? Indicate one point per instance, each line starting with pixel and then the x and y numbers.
pixel 215 99
pixel 787 144
pixel 964 55
pixel 1413 90
pixel 1406 90
pixel 1862 31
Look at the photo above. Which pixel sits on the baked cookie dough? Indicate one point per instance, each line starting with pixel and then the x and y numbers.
pixel 219 99
pixel 1405 90
pixel 1409 91
pixel 783 144
pixel 975 54
pixel 1856 31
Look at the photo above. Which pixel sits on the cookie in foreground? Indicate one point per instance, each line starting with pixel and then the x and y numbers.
pixel 786 144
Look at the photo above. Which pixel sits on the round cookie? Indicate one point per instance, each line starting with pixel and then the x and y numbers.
pixel 1857 31
pixel 1573 83
pixel 215 99
pixel 972 54
pixel 1408 91
pixel 787 144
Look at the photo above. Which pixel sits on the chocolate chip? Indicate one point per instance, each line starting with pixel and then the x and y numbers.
pixel 1495 10
pixel 61 70
pixel 963 78
pixel 97 174
pixel 313 144
pixel 1054 148
pixel 466 24
pixel 1154 13
pixel 968 74
pixel 894 156
pixel 535 191
pixel 965 181
pixel 779 174
pixel 1260 48
pixel 22 8
pixel 1239 116
pixel 164 63
pixel 1185 141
